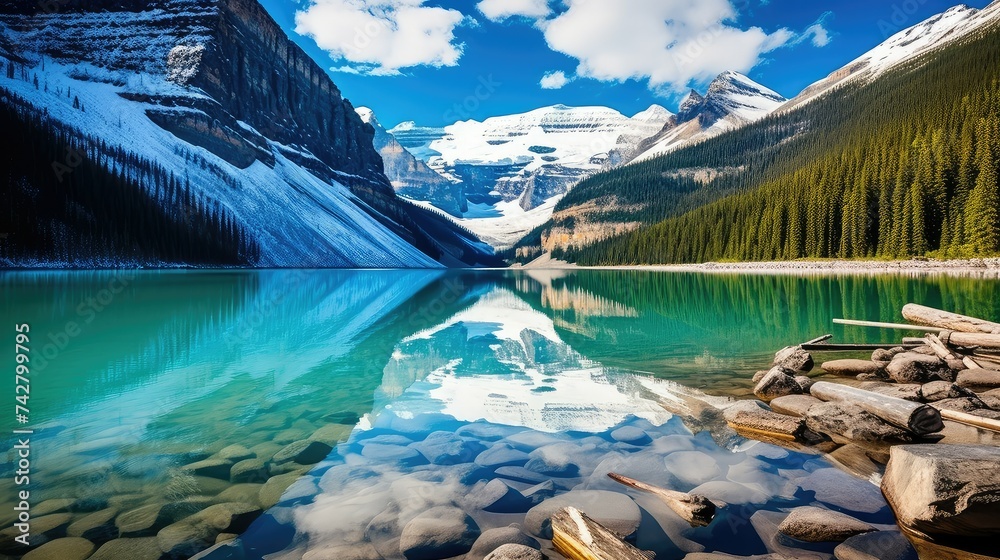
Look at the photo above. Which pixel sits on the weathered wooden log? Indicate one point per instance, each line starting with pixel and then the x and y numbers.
pixel 971 364
pixel 579 537
pixel 915 417
pixel 697 510
pixel 818 340
pixel 970 339
pixel 939 348
pixel 857 347
pixel 971 420
pixel 945 320
pixel 879 325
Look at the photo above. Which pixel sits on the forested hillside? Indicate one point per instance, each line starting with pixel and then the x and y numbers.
pixel 71 198
pixel 900 166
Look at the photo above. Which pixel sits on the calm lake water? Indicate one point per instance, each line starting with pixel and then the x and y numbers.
pixel 157 395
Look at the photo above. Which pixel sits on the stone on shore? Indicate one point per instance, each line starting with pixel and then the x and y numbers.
pixel 850 367
pixel 813 524
pixel 905 391
pixel 913 367
pixel 854 423
pixel 979 378
pixel 794 405
pixel 941 390
pixel 793 358
pixel 756 416
pixel 777 383
pixel 440 532
pixel 514 552
pixel 961 404
pixel 945 490
pixel 883 356
pixel 882 545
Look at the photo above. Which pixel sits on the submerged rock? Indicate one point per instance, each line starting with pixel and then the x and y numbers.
pixel 813 524
pixel 515 552
pixel 883 545
pixel 838 489
pixel 440 532
pixel 494 539
pixel 497 497
pixel 616 511
pixel 502 455
pixel 72 548
pixel 947 490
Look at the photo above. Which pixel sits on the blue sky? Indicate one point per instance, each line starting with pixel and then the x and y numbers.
pixel 438 61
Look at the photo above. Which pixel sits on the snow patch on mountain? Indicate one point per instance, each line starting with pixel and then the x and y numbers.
pixel 932 33
pixel 514 168
pixel 732 100
pixel 297 218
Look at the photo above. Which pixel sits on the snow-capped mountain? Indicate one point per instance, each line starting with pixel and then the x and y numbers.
pixel 932 33
pixel 412 177
pixel 514 168
pixel 732 100
pixel 212 99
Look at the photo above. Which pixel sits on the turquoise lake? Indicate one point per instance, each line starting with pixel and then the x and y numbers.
pixel 335 407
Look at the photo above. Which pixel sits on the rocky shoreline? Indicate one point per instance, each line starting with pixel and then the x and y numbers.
pixel 984 267
pixel 923 420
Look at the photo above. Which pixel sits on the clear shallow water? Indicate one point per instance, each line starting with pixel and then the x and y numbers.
pixel 159 370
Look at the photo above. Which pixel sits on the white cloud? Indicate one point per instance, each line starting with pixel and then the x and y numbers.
pixel 554 80
pixel 381 37
pixel 670 43
pixel 499 10
pixel 818 32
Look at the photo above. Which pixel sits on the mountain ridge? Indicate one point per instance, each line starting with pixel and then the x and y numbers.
pixel 214 94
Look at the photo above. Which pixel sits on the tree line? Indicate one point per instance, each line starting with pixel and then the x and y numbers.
pixel 904 165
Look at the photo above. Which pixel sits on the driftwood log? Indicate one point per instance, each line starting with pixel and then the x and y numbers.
pixel 579 537
pixel 880 325
pixel 857 347
pixel 939 348
pixel 947 321
pixel 698 511
pixel 991 341
pixel 921 419
pixel 971 420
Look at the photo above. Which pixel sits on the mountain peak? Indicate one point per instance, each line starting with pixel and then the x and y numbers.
pixel 691 101
pixel 653 113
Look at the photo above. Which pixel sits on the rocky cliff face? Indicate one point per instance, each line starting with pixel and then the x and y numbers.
pixel 411 177
pixel 217 97
pixel 230 50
